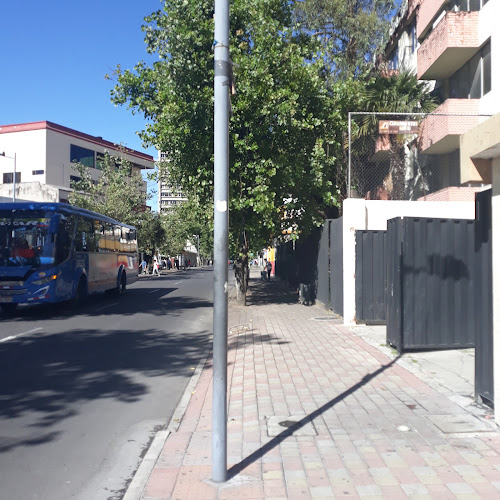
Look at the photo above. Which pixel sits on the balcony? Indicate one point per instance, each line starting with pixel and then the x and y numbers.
pixel 449 46
pixel 427 11
pixel 440 132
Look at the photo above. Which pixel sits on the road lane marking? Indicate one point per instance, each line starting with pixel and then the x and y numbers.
pixel 12 337
pixel 153 291
pixel 109 305
pixel 178 283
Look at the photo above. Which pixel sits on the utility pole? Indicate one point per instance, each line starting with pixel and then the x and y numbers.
pixel 222 83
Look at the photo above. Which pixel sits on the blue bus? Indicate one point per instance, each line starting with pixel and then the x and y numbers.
pixel 54 252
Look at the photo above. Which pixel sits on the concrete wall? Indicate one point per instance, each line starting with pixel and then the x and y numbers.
pixel 30 149
pixel 373 215
pixel 32 191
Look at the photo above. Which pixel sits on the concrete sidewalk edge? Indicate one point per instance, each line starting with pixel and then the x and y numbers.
pixel 140 479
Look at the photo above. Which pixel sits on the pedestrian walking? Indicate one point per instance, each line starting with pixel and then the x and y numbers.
pixel 155 266
pixel 269 268
pixel 176 262
pixel 144 266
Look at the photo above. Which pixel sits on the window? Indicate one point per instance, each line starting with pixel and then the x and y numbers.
pixel 8 177
pixel 99 161
pixel 473 79
pixel 413 36
pixel 37 172
pixel 82 155
pixel 394 59
pixel 75 178
pixel 466 5
pixel 84 238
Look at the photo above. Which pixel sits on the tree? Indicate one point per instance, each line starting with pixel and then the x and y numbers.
pixel 185 221
pixel 119 194
pixel 350 31
pixel 397 92
pixel 284 125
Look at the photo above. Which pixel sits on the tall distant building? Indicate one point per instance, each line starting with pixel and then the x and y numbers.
pixel 168 196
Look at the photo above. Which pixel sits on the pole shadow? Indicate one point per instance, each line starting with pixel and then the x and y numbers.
pixel 258 454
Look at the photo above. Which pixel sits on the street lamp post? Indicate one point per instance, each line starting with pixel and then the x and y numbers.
pixel 14 177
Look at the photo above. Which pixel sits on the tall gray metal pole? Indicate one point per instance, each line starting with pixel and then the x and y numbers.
pixel 221 229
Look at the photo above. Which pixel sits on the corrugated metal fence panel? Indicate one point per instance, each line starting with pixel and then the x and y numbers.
pixel 337 266
pixel 371 277
pixel 483 300
pixel 431 276
pixel 323 266
pixel 394 310
pixel 438 295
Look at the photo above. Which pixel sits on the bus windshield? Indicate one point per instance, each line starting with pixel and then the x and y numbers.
pixel 27 238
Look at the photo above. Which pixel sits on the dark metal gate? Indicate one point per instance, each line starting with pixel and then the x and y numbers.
pixel 483 301
pixel 371 277
pixel 336 266
pixel 323 266
pixel 431 268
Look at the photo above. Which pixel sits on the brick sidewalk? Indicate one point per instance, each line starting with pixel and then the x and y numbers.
pixel 353 422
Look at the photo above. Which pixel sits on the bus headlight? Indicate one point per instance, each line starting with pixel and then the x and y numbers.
pixel 41 292
pixel 47 279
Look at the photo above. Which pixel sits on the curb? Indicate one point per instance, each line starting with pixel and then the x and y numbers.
pixel 140 479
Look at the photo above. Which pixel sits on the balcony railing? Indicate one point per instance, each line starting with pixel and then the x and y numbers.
pixel 440 132
pixel 449 46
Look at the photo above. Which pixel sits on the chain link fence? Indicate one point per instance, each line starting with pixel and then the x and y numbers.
pixel 405 156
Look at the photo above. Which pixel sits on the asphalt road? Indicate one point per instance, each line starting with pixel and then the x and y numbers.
pixel 82 392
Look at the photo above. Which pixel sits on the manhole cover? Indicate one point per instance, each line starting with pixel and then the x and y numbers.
pixel 277 425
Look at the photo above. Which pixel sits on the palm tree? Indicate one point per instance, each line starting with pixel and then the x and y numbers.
pixel 398 92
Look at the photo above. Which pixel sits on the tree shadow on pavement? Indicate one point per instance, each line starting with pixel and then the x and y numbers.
pixel 258 454
pixel 274 291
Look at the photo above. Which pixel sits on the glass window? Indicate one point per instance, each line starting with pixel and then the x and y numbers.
pixel 84 238
pixel 486 68
pixel 75 178
pixel 37 172
pixel 64 237
pixel 475 76
pixel 8 177
pixel 82 155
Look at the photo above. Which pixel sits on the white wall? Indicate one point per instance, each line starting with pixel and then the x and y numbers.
pixel 373 215
pixel 30 150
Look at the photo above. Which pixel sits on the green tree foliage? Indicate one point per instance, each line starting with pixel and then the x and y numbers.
pixel 188 221
pixel 399 92
pixel 119 195
pixel 285 124
pixel 350 31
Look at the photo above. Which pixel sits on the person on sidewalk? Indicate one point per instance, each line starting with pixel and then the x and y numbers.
pixel 269 268
pixel 155 266
pixel 144 266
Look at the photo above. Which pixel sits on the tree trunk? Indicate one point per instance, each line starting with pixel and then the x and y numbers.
pixel 241 274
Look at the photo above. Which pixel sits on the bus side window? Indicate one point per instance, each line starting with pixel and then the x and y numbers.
pixel 99 236
pixel 119 246
pixel 133 240
pixel 64 237
pixel 84 239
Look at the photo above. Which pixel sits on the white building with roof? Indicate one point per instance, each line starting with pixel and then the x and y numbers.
pixel 42 153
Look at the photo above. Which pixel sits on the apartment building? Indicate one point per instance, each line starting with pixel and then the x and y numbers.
pixel 38 156
pixel 168 196
pixel 453 45
pixel 458 48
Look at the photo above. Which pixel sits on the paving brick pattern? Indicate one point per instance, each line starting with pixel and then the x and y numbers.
pixel 283 361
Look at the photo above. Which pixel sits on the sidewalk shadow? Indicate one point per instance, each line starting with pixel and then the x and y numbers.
pixel 274 291
pixel 258 454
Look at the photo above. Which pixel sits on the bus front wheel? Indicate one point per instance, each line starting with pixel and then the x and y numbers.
pixel 122 287
pixel 9 308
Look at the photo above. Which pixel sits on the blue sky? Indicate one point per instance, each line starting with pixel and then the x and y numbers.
pixel 55 55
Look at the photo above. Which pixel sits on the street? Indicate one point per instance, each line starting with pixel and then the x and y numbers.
pixel 82 392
